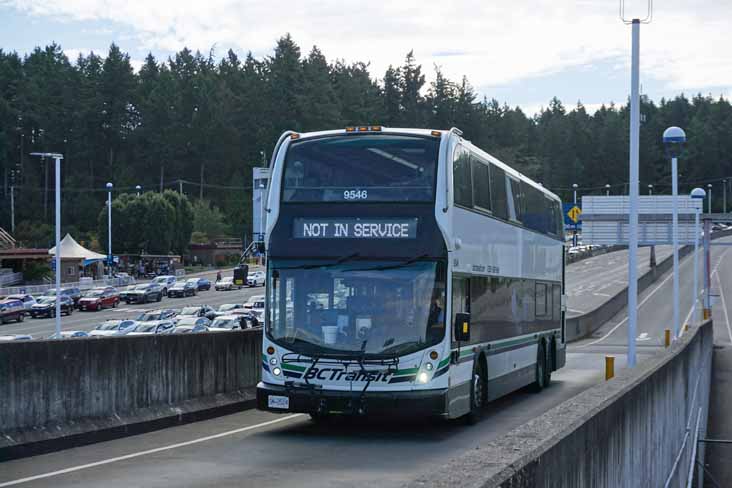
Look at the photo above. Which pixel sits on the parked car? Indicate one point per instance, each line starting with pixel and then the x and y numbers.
pixel 230 322
pixel 153 327
pixel 28 300
pixel 69 334
pixel 197 311
pixel 252 300
pixel 46 306
pixel 182 289
pixel 152 315
pixel 256 278
pixel 228 307
pixel 202 284
pixel 226 284
pixel 16 337
pixel 113 328
pixel 11 309
pixel 190 329
pixel 192 321
pixel 123 294
pixel 145 293
pixel 125 278
pixel 72 292
pixel 99 298
pixel 165 282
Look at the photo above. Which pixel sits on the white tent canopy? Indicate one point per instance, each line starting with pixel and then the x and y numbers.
pixel 70 249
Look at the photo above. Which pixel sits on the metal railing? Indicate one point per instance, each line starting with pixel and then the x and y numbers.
pixel 85 285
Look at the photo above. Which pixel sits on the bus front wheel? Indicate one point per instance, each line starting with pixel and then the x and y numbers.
pixel 540 370
pixel 477 392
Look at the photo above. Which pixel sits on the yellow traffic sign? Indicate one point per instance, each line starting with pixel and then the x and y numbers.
pixel 574 214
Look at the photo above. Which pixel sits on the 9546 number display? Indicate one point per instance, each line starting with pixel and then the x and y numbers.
pixel 355 195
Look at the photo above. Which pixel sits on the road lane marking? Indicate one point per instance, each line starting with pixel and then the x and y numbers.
pixel 149 451
pixel 724 307
pixel 653 292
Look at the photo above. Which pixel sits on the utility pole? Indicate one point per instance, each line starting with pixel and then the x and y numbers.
pixel 200 193
pixel 12 209
pixel 180 186
pixel 724 198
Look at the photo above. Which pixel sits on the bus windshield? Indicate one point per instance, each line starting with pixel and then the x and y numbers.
pixel 361 168
pixel 359 308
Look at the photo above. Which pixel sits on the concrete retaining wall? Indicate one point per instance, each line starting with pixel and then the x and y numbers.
pixel 629 431
pixel 52 389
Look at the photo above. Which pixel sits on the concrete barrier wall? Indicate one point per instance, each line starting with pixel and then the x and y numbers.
pixel 636 430
pixel 48 386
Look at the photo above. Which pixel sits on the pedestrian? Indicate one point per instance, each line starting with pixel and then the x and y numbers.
pixel 218 276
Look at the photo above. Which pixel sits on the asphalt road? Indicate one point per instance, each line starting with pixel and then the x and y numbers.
pixel 41 328
pixel 260 449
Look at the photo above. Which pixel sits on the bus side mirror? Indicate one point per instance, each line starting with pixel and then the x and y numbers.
pixel 462 327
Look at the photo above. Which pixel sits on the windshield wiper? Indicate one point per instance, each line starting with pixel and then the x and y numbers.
pixel 393 266
pixel 340 260
pixel 395 349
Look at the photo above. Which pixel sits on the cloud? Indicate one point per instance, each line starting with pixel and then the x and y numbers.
pixel 493 43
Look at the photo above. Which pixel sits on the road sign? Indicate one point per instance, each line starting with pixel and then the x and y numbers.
pixel 574 214
pixel 569 223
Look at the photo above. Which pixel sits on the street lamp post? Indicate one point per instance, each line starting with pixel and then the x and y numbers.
pixel 709 191
pixel 696 194
pixel 58 157
pixel 673 139
pixel 574 234
pixel 109 226
pixel 262 187
pixel 724 197
pixel 138 188
pixel 650 190
pixel 607 190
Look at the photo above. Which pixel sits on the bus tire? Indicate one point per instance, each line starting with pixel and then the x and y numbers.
pixel 540 369
pixel 478 390
pixel 550 362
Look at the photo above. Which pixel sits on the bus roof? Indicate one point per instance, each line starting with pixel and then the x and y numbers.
pixel 430 132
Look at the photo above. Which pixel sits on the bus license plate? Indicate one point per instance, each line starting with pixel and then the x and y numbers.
pixel 282 402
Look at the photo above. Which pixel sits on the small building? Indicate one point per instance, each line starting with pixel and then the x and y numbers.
pixel 216 252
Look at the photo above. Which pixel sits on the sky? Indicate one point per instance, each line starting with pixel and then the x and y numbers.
pixel 521 52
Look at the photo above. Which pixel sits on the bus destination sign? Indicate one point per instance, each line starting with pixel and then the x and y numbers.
pixel 352 228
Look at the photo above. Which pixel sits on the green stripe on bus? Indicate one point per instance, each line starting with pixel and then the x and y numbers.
pixel 443 362
pixel 402 372
pixel 293 367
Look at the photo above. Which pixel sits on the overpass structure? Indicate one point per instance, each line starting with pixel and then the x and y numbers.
pixel 639 429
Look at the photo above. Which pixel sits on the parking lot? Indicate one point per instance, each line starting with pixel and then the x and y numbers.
pixel 41 328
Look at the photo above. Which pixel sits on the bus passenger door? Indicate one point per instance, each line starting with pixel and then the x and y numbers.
pixel 461 368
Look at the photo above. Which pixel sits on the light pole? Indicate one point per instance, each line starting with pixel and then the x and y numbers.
pixel 607 190
pixel 138 188
pixel 109 226
pixel 674 139
pixel 724 197
pixel 574 234
pixel 650 190
pixel 262 187
pixel 58 157
pixel 697 194
pixel 709 191
pixel 12 206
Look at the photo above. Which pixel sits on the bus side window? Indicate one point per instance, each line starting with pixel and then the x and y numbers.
pixel 540 298
pixel 481 184
pixel 514 200
pixel 498 193
pixel 463 193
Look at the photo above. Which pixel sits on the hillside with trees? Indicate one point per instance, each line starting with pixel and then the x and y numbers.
pixel 198 123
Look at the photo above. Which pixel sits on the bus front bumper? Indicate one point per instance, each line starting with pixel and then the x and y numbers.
pixel 283 399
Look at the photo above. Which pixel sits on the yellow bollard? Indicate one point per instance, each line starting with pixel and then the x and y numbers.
pixel 707 314
pixel 609 367
pixel 686 328
pixel 667 337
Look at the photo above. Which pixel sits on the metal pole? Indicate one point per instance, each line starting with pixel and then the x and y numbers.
pixel 707 271
pixel 12 209
pixel 724 198
pixel 261 213
pixel 695 314
pixel 633 193
pixel 710 199
pixel 109 231
pixel 180 186
pixel 58 246
pixel 675 240
pixel 650 190
pixel 574 232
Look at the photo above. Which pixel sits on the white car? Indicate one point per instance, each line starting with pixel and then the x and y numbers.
pixel 229 322
pixel 16 337
pixel 153 327
pixel 226 284
pixel 113 328
pixel 254 299
pixel 256 278
pixel 69 334
pixel 28 300
pixel 166 282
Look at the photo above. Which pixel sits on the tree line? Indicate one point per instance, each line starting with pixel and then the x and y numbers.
pixel 199 123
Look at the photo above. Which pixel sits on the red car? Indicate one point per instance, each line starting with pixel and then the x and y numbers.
pixel 99 298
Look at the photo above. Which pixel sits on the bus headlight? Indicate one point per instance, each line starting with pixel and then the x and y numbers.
pixel 273 361
pixel 423 377
pixel 276 371
pixel 428 366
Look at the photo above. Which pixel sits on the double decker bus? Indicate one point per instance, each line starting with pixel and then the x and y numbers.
pixel 408 272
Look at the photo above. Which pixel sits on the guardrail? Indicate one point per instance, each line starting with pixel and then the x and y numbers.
pixel 83 285
pixel 637 429
pixel 65 392
pixel 7 279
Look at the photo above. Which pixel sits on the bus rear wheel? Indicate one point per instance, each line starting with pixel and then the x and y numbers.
pixel 540 370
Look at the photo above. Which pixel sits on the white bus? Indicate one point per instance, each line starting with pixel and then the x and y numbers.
pixel 409 272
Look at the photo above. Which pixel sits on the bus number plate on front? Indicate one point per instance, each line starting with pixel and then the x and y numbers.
pixel 274 401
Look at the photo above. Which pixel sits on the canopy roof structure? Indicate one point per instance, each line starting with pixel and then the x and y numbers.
pixel 70 249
